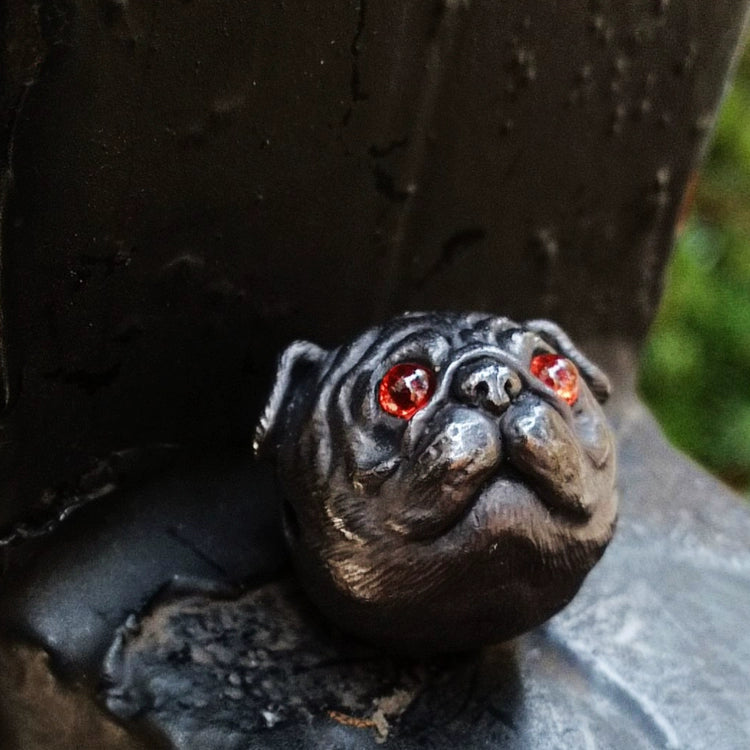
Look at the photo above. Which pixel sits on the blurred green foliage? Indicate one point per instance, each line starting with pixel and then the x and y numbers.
pixel 695 370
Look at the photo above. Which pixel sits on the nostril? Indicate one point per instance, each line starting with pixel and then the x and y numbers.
pixel 488 384
pixel 481 391
pixel 513 385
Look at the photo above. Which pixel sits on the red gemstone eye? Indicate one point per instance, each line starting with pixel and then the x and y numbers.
pixel 405 389
pixel 559 373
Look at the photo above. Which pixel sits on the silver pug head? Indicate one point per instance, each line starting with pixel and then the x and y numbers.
pixel 448 479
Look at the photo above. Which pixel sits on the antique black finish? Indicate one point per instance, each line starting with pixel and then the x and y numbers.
pixel 189 186
pixel 181 204
pixel 466 519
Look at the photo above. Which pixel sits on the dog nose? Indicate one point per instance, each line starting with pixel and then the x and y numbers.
pixel 488 384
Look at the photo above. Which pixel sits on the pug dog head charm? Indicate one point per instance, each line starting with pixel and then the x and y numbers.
pixel 447 479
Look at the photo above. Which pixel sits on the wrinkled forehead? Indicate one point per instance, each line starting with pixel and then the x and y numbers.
pixel 433 338
pixel 454 327
pixel 453 332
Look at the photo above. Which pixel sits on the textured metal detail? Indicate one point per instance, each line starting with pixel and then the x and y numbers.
pixel 473 520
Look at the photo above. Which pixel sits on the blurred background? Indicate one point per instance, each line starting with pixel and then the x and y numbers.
pixel 695 370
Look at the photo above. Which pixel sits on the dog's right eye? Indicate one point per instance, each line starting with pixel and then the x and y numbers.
pixel 405 389
pixel 558 373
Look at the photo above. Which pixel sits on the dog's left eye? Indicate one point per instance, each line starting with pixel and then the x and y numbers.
pixel 405 389
pixel 557 372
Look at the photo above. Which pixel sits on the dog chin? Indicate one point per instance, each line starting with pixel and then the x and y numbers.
pixel 508 507
pixel 494 492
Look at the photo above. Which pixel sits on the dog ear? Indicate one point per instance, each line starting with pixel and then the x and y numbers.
pixel 294 364
pixel 556 337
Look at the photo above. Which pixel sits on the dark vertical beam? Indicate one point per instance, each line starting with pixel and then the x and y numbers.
pixel 195 184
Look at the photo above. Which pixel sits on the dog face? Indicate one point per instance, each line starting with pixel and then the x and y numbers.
pixel 448 479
